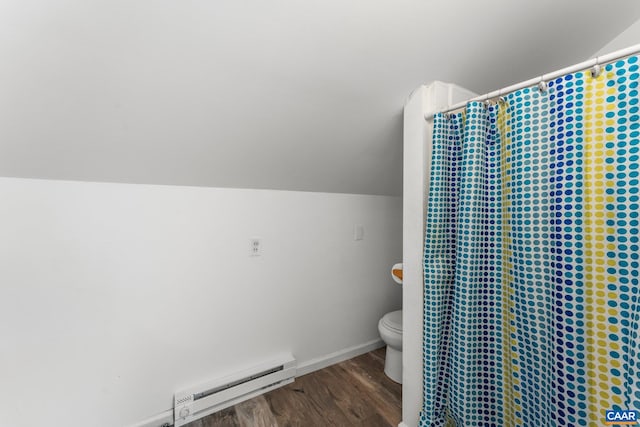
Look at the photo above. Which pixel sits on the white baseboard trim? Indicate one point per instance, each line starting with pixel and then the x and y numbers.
pixel 337 357
pixel 402 424
pixel 162 419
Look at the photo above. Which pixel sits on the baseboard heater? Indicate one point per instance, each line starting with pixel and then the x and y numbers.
pixel 199 401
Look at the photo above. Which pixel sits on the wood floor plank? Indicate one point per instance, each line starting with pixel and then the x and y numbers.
pixel 224 418
pixel 375 420
pixel 255 412
pixel 318 390
pixel 380 404
pixel 374 367
pixel 379 355
pixel 355 392
pixel 292 408
pixel 385 394
pixel 355 405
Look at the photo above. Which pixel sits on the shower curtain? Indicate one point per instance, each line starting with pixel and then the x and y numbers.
pixel 531 265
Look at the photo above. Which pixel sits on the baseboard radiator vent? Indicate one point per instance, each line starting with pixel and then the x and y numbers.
pixel 196 402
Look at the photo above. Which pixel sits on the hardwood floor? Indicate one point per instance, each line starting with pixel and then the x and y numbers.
pixel 352 393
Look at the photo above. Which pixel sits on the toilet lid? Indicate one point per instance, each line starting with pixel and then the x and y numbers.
pixel 393 320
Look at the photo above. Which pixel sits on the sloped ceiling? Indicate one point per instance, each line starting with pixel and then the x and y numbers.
pixel 280 94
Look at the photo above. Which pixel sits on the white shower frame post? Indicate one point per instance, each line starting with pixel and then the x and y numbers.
pixel 422 103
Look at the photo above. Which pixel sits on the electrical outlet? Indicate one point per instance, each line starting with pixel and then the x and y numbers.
pixel 358 232
pixel 255 247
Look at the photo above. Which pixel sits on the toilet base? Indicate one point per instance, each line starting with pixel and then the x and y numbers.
pixel 393 364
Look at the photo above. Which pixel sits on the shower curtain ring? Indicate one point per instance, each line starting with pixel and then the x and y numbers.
pixel 542 85
pixel 501 98
pixel 596 70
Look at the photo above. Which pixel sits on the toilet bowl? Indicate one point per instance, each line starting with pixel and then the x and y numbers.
pixel 390 328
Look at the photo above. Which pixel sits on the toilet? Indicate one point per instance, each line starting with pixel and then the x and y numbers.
pixel 390 328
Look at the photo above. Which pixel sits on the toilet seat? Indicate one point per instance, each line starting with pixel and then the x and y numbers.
pixel 393 321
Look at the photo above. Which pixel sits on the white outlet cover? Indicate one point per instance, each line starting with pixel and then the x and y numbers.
pixel 255 246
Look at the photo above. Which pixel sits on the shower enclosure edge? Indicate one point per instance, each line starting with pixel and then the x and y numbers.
pixel 416 168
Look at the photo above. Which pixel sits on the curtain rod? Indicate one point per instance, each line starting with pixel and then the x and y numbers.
pixel 590 63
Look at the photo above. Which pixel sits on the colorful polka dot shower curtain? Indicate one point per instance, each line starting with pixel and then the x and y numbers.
pixel 532 309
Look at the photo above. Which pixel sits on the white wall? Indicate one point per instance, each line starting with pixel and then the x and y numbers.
pixel 628 37
pixel 113 295
pixel 417 161
pixel 254 93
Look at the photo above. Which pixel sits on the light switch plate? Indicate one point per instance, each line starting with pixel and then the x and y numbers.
pixel 358 232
